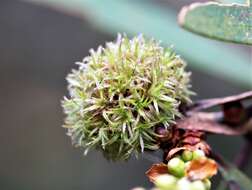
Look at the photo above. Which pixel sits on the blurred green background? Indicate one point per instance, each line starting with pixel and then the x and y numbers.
pixel 38 47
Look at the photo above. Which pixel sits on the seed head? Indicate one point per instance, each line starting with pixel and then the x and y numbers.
pixel 121 92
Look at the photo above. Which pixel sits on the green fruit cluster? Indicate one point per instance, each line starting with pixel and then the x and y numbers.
pixel 177 165
pixel 176 179
pixel 121 92
pixel 169 182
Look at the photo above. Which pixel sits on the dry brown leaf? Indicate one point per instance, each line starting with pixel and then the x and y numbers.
pixel 201 168
pixel 199 146
pixel 156 170
pixel 207 122
pixel 175 151
pixel 204 104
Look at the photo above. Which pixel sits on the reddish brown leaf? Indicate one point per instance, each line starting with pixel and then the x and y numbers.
pixel 248 126
pixel 208 122
pixel 200 146
pixel 234 113
pixel 156 170
pixel 163 134
pixel 201 169
pixel 204 104
pixel 175 151
pixel 192 140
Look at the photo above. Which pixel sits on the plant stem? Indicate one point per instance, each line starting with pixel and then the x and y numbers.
pixel 244 155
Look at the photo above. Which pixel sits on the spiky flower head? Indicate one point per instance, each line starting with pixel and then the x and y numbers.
pixel 121 92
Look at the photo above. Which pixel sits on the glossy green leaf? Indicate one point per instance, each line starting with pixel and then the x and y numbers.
pixel 228 22
pixel 141 16
pixel 233 175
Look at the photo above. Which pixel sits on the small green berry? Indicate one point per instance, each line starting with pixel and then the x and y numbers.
pixel 178 156
pixel 138 188
pixel 166 182
pixel 176 167
pixel 187 165
pixel 198 154
pixel 207 183
pixel 197 185
pixel 187 155
pixel 183 184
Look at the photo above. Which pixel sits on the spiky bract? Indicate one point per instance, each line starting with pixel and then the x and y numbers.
pixel 121 92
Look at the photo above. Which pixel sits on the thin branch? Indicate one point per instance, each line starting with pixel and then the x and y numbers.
pixel 208 103
pixel 242 159
pixel 213 122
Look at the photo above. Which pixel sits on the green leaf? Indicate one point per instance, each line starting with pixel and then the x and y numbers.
pixel 233 175
pixel 227 22
pixel 231 1
pixel 138 16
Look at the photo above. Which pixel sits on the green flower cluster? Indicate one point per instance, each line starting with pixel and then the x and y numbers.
pixel 176 179
pixel 121 92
